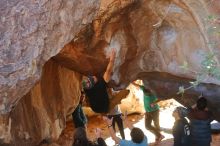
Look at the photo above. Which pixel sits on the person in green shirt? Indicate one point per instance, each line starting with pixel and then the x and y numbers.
pixel 152 111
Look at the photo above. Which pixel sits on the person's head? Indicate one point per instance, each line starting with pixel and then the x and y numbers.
pixel 137 135
pixel 180 112
pixel 88 82
pixel 148 91
pixel 201 103
pixel 80 137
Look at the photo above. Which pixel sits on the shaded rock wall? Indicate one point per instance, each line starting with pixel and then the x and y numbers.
pixel 41 114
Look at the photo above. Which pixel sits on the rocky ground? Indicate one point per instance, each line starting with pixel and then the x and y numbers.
pixel 166 122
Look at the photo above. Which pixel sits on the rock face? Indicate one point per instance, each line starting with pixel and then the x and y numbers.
pixel 31 33
pixel 40 115
pixel 152 40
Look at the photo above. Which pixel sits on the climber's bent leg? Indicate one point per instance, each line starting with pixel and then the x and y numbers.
pixel 116 98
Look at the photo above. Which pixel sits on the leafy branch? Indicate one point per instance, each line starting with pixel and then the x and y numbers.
pixel 210 68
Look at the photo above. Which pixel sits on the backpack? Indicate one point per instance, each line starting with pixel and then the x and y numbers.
pixel 186 133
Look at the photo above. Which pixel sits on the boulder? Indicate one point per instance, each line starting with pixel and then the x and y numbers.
pixel 47 46
pixel 31 33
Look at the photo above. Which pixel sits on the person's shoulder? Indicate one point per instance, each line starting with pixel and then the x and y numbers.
pixel 153 96
pixel 209 114
pixel 144 142
pixel 180 123
pixel 124 142
pixel 101 80
pixel 145 139
pixel 185 120
pixel 141 87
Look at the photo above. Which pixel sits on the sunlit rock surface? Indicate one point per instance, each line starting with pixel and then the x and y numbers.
pixel 152 40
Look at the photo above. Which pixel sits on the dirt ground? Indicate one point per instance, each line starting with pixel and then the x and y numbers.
pixel 166 123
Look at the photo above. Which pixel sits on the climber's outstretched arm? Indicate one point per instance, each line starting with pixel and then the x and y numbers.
pixel 108 73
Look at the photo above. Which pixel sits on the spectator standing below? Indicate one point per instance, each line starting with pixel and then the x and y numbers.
pixel 200 119
pixel 181 130
pixel 152 111
pixel 137 135
pixel 79 118
pixel 97 90
pixel 80 138
pixel 117 118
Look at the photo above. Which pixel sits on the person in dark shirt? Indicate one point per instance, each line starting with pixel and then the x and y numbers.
pixel 79 118
pixel 200 119
pixel 181 129
pixel 97 90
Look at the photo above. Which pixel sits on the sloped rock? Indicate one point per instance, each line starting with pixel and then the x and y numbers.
pixel 31 33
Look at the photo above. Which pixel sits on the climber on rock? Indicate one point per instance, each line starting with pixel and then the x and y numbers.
pixel 98 93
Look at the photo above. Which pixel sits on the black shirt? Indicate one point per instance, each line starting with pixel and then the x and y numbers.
pixel 98 96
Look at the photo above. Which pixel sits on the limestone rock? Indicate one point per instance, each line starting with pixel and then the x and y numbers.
pixel 31 32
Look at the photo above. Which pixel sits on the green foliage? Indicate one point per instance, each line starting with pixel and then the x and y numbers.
pixel 211 17
pixel 185 66
pixel 213 23
pixel 181 90
pixel 194 84
pixel 210 66
pixel 209 62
